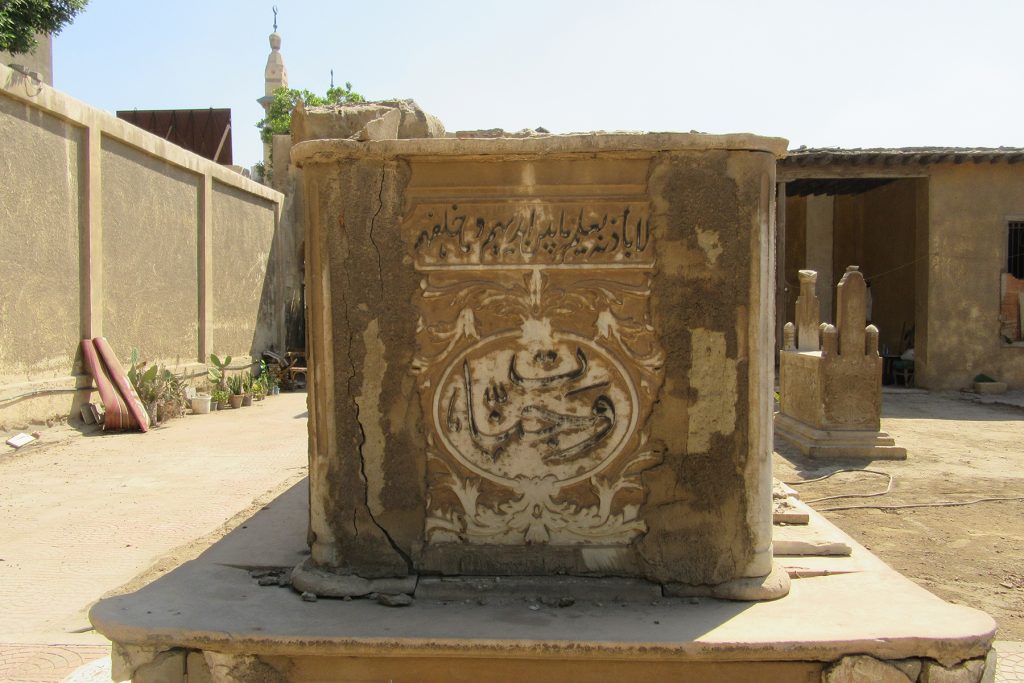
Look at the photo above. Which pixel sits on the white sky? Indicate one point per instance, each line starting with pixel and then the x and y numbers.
pixel 851 73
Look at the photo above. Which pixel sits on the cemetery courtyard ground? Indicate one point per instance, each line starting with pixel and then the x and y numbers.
pixel 83 516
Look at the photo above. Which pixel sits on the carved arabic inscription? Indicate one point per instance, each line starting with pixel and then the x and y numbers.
pixel 530 233
pixel 538 368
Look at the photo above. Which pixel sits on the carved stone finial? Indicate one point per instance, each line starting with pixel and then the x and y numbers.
pixel 808 312
pixel 789 337
pixel 829 340
pixel 851 311
pixel 871 341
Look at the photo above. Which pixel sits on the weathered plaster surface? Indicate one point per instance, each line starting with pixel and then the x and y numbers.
pixel 243 282
pixel 369 403
pixel 354 259
pixel 969 205
pixel 150 213
pixel 713 380
pixel 40 182
pixel 700 527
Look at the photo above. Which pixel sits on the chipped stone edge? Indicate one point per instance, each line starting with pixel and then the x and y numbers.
pixel 325 151
pixel 774 585
pixel 307 577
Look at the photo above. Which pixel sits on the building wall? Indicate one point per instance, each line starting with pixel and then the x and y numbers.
pixel 150 284
pixel 243 232
pixel 968 207
pixel 39 262
pixel 109 230
pixel 39 60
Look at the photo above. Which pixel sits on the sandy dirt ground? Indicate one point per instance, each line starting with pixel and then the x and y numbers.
pixel 86 516
pixel 957 450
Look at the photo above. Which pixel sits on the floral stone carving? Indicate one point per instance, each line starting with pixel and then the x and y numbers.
pixel 538 368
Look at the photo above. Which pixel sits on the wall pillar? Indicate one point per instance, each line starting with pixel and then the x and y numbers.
pixel 91 238
pixel 205 270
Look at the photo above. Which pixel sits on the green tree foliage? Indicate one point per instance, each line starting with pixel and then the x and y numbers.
pixel 279 117
pixel 21 20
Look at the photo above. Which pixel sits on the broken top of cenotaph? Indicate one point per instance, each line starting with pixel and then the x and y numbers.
pixel 830 377
pixel 540 356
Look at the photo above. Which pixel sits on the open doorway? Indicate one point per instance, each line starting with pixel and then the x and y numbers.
pixel 878 224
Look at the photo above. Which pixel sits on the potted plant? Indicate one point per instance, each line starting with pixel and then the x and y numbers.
pixel 247 390
pixel 218 373
pixel 220 397
pixel 237 391
pixel 163 394
pixel 261 381
pixel 259 388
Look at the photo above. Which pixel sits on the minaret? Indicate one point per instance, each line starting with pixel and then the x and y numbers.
pixel 274 76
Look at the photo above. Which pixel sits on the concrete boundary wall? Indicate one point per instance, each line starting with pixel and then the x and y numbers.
pixel 109 230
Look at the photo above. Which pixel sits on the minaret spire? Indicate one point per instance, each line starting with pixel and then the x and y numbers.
pixel 275 76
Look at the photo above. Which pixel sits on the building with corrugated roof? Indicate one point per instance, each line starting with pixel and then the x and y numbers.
pixel 939 234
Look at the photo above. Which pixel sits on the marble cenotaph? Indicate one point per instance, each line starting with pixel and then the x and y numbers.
pixel 540 357
pixel 830 377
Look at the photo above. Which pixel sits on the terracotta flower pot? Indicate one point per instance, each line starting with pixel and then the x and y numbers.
pixel 236 400
pixel 246 399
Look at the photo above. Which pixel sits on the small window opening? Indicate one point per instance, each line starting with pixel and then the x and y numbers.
pixel 1015 250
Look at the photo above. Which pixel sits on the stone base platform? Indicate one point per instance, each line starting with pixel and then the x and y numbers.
pixel 845 619
pixel 818 443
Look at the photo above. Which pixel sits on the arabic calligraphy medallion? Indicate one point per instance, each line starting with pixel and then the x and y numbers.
pixel 510 407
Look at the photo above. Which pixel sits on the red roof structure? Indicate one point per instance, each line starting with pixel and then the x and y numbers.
pixel 206 132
